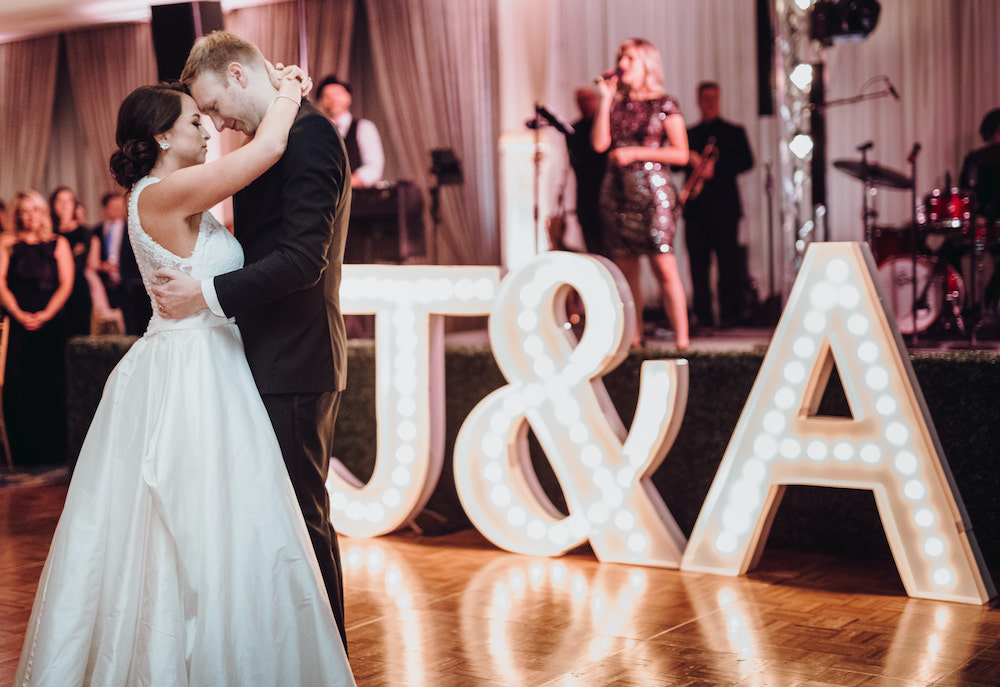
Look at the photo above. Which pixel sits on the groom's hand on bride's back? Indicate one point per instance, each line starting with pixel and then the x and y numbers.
pixel 177 294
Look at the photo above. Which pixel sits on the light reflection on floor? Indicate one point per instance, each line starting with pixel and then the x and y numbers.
pixel 456 611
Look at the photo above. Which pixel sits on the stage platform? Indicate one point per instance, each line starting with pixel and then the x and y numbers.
pixel 961 387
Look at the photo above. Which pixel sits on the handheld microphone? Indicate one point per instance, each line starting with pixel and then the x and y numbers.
pixel 617 71
pixel 891 89
pixel 913 153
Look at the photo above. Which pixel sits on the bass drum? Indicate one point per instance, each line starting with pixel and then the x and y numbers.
pixel 938 283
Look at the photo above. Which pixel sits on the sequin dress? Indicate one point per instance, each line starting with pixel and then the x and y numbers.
pixel 638 201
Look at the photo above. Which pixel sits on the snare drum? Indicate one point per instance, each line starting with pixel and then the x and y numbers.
pixel 937 283
pixel 947 210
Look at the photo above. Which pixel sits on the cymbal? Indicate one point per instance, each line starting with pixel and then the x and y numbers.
pixel 876 174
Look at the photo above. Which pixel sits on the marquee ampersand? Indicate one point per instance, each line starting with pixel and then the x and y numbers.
pixel 555 387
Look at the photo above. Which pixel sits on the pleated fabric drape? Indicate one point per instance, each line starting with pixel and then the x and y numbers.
pixel 105 65
pixel 432 61
pixel 329 30
pixel 27 93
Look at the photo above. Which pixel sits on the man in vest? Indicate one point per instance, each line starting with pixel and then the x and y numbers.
pixel 364 146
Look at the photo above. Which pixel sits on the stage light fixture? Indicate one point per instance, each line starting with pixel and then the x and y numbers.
pixel 802 76
pixel 843 21
pixel 801 146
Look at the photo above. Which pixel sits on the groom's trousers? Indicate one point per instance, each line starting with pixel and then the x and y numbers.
pixel 304 426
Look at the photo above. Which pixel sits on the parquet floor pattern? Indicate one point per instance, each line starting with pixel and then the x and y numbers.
pixel 455 611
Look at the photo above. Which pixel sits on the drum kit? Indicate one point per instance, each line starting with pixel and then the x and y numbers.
pixel 922 263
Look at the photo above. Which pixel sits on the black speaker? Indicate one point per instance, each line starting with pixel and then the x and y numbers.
pixel 765 59
pixel 175 28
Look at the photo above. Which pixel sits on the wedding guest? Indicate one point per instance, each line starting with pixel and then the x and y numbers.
pixel 36 279
pixel 117 267
pixel 85 249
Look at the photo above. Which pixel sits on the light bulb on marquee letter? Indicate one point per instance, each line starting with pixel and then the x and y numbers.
pixel 556 388
pixel 834 317
pixel 408 302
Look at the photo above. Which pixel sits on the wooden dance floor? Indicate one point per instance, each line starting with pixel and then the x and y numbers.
pixel 454 611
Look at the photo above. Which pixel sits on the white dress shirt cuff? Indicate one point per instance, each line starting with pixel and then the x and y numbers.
pixel 211 297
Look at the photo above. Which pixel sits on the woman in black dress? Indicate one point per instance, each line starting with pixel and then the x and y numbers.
pixel 86 251
pixel 643 130
pixel 36 277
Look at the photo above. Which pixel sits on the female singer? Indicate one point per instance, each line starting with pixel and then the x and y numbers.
pixel 644 130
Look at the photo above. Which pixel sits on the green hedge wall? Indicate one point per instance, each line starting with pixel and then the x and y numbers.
pixel 962 390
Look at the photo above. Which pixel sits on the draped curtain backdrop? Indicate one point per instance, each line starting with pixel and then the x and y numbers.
pixel 329 26
pixel 27 92
pixel 123 57
pixel 432 61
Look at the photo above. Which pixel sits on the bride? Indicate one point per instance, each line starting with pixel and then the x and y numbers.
pixel 181 557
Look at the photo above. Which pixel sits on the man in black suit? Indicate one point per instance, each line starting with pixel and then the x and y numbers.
pixel 981 175
pixel 712 217
pixel 588 166
pixel 292 224
pixel 118 270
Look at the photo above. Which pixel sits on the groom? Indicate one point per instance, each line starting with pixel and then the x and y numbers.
pixel 292 223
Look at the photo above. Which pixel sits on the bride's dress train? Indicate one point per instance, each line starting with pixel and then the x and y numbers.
pixel 181 557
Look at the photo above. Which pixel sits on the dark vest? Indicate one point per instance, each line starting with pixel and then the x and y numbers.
pixel 351 142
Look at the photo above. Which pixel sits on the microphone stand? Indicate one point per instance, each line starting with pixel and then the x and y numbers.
pixel 536 182
pixel 773 302
pixel 867 214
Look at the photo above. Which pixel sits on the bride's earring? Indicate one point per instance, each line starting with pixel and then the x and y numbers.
pixel 164 145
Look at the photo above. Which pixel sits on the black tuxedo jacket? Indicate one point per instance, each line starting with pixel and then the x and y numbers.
pixel 720 196
pixel 292 223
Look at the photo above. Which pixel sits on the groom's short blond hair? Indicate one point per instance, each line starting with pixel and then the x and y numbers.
pixel 214 53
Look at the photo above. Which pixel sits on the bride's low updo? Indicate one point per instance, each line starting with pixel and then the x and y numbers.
pixel 145 112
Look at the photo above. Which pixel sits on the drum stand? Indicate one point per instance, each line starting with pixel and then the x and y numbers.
pixel 977 308
pixel 868 214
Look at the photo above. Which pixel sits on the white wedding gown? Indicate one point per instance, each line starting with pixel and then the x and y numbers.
pixel 181 557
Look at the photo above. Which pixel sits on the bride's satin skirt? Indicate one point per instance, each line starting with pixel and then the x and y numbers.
pixel 181 557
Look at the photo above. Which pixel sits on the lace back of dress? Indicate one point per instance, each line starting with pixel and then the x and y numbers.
pixel 216 251
pixel 149 255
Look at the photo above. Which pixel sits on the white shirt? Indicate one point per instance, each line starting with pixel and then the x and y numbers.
pixel 369 145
